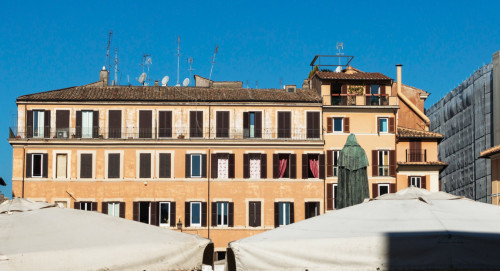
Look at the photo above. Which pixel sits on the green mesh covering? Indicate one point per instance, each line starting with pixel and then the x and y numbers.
pixel 352 187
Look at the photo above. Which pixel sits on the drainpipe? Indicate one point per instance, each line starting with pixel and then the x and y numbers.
pixel 407 101
pixel 209 172
pixel 24 152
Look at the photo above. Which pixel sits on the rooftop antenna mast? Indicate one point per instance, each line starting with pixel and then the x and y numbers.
pixel 213 61
pixel 178 55
pixel 340 46
pixel 116 67
pixel 190 62
pixel 108 58
pixel 146 61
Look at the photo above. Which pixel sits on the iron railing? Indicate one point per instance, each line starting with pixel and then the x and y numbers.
pixel 369 99
pixel 416 155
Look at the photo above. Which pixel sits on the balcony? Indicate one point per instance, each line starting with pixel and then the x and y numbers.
pixel 176 133
pixel 416 155
pixel 359 100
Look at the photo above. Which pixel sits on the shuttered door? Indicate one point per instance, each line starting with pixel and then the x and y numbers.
pixel 46 124
pixel 165 165
pixel 292 213
pixel 86 165
pixel 165 123
pixel 115 124
pixel 145 124
pixel 188 166
pixel 315 127
pixel 222 124
pixel 45 165
pixel 258 125
pixel 195 123
pixel 145 165
pixel 155 213
pixel 104 207
pixel 293 166
pixel 329 163
pixel 62 123
pixel 374 163
pixel 306 210
pixel 203 165
pixel 29 124
pixel 263 166
pixel 94 206
pixel 78 124
pixel 214 166
pixel 136 211
pixel 254 214
pixel 114 165
pixel 258 218
pixel 329 196
pixel 172 214
pixel 284 124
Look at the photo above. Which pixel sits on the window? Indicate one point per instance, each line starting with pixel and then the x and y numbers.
pixel 383 163
pixel 222 166
pixel 284 124
pixel 374 90
pixel 383 189
pixel 222 124
pixel 62 123
pixel 383 125
pixel 254 214
pixel 145 124
pixel 415 181
pixel 37 168
pixel 164 214
pixel 86 165
pixel 220 255
pixel 86 205
pixel 36 165
pixel 331 195
pixel 165 165
pixel 39 123
pixel 113 208
pixel 165 123
pixel 196 165
pixel 115 124
pixel 338 124
pixel 252 124
pixel 87 124
pixel 196 124
pixel 144 211
pixel 311 209
pixel 334 188
pixel 113 165
pixel 284 166
pixel 313 130
pixel 415 153
pixel 336 163
pixel 61 165
pixel 283 213
pixel 254 166
pixel 195 214
pixel 61 203
pixel 222 213
pixel 145 165
pixel 313 166
pixel 336 90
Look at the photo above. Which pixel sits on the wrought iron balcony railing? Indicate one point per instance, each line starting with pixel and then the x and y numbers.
pixel 353 100
pixel 416 155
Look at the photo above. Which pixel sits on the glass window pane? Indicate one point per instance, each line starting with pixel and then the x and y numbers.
pixel 337 124
pixel 281 213
pixel 196 165
pixel 87 119
pixel 287 213
pixel 252 124
pixel 116 209
pixel 37 165
pixel 38 123
pixel 383 125
pixel 195 213
pixel 374 89
pixel 164 212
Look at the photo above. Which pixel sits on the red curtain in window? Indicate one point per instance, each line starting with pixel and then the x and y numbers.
pixel 282 168
pixel 314 166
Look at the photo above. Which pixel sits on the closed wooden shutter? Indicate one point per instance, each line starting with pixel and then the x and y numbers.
pixel 29 124
pixel 409 181
pixel 203 165
pixel 378 125
pixel 374 190
pixel 214 214
pixel 94 206
pixel 251 214
pixel 284 124
pixel 46 124
pixel 305 166
pixel 172 214
pixel 292 213
pixel 309 125
pixel 188 166
pixel 258 213
pixel 230 214
pixel 115 124
pixel 62 121
pixel 122 209
pixel 113 165
pixel 382 90
pixel 258 125
pixel 231 166
pixel 392 163
pixel 329 163
pixel 343 89
pixel 45 165
pixel 293 166
pixel 276 167
pixel 346 125
pixel 86 165
pixel 187 214
pixel 329 196
pixel 135 211
pixel 165 165
pixel 203 214
pixel 76 205
pixel 391 125
pixel 214 166
pixel 367 89
pixel 219 124
pixel 145 165
pixel 374 163
pixel 145 124
pixel 306 210
pixel 155 213
pixel 321 162
pixel 165 123
pixel 95 124
pixel 29 165
pixel 423 182
pixel 246 124
pixel 329 125
pixel 263 166
pixel 276 214
pixel 392 188
pixel 104 207
pixel 78 124
pixel 195 123
pixel 246 166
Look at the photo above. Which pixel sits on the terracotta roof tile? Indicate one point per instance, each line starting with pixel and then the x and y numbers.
pixel 430 163
pixel 489 152
pixel 353 76
pixel 186 94
pixel 404 132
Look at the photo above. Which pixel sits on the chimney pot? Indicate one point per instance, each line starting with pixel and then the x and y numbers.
pixel 103 76
pixel 156 83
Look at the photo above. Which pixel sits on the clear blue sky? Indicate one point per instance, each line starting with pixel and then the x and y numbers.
pixel 46 46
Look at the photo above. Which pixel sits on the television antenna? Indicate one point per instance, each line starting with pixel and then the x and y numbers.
pixel 256 84
pixel 164 81
pixel 108 60
pixel 213 61
pixel 190 62
pixel 115 82
pixel 281 83
pixel 340 46
pixel 142 79
pixel 185 83
pixel 178 55
pixel 146 62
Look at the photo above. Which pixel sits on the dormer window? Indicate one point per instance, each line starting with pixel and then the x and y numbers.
pixel 290 88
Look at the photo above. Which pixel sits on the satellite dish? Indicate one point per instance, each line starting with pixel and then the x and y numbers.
pixel 338 69
pixel 164 81
pixel 185 82
pixel 142 78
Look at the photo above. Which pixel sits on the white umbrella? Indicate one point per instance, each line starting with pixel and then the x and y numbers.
pixel 410 230
pixel 42 236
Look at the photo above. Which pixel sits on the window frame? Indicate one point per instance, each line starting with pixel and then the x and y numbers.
pixel 288 165
pixel 334 193
pixel 79 166
pixel 335 162
pixel 40 134
pixel 341 124
pixel 149 211
pixel 282 216
pixel 168 213
pixel 87 205
pixel 120 164
pixel 380 185
pixel 191 213
pixel 139 161
pixel 113 203
pixel 33 164
pixel 379 124
pixel 224 207
pixel 191 164
pixel 383 169
pixel 284 132
pixel 57 165
pixel 260 203
pixel 91 127
pixel 419 178
pixel 157 163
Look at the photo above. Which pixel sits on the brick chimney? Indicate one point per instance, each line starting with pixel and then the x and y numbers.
pixel 103 76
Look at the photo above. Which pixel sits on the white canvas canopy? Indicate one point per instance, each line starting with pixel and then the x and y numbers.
pixel 42 236
pixel 410 230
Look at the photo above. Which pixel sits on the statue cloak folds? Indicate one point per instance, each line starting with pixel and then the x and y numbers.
pixel 352 187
